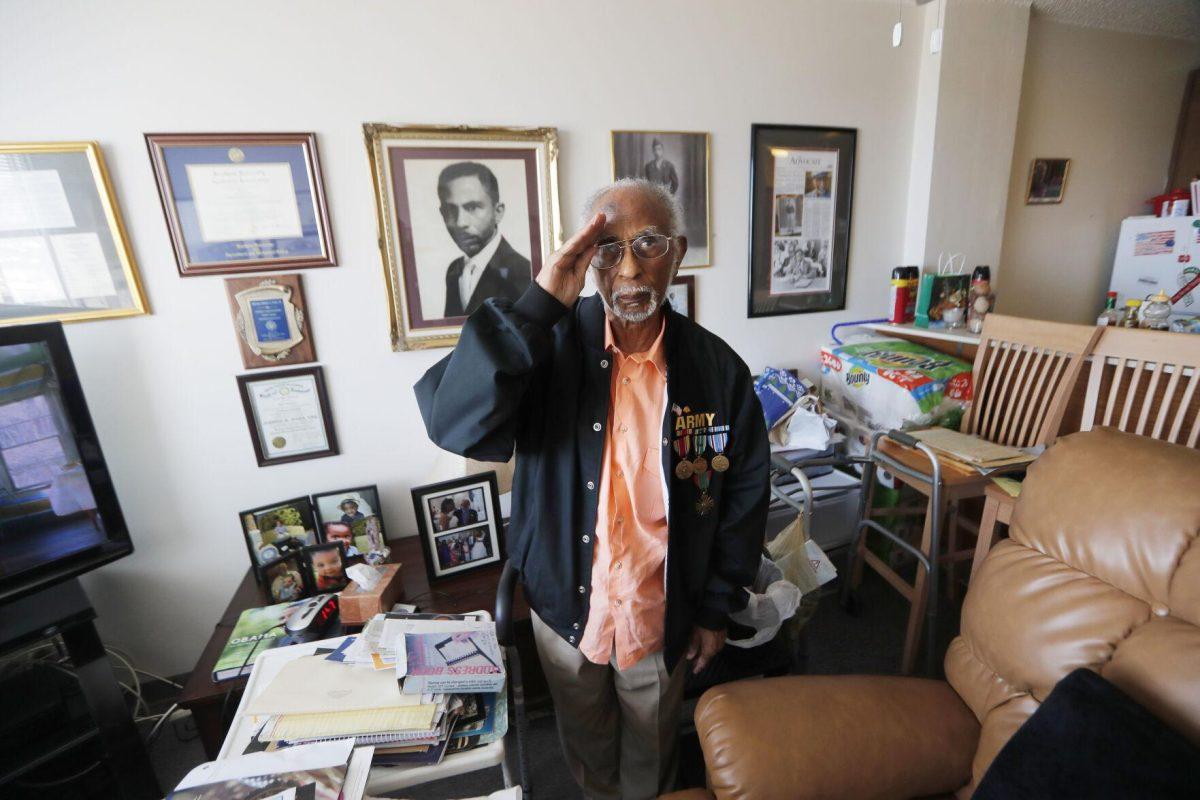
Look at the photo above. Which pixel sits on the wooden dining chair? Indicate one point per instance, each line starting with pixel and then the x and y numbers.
pixel 1143 382
pixel 1022 378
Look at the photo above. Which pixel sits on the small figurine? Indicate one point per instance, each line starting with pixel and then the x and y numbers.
pixel 980 300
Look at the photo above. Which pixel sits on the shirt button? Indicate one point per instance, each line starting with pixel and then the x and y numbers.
pixel 618 602
pixel 620 520
pixel 591 485
pixel 575 626
pixel 624 429
pixel 625 381
pixel 596 426
pixel 618 565
pixel 604 363
pixel 586 538
pixel 620 474
pixel 582 590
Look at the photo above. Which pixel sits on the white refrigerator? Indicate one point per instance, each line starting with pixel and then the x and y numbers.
pixel 1159 253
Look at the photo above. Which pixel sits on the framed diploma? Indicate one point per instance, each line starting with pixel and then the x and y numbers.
pixel 288 415
pixel 64 254
pixel 242 202
pixel 271 320
pixel 801 182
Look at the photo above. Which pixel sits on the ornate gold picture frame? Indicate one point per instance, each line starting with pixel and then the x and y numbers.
pixel 464 214
pixel 64 252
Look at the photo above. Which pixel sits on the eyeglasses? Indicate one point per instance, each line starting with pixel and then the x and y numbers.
pixel 645 246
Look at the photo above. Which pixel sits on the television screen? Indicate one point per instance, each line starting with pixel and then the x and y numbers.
pixel 59 515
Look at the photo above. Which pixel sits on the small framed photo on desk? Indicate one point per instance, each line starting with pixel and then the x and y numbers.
pixel 460 525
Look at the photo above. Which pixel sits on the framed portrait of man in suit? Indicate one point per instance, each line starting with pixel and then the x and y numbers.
pixel 465 215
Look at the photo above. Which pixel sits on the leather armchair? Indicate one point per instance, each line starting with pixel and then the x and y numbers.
pixel 1102 570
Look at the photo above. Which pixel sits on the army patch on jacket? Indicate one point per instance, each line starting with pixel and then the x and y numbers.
pixel 700 449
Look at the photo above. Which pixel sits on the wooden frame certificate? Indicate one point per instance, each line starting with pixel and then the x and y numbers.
pixel 288 415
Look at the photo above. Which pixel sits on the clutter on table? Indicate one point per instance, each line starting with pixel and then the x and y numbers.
pixel 792 411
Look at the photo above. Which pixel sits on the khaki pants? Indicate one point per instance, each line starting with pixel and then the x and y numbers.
pixel 619 728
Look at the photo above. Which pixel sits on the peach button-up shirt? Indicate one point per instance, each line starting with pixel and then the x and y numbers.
pixel 626 611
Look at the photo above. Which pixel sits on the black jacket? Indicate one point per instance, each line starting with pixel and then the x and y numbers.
pixel 533 375
pixel 506 275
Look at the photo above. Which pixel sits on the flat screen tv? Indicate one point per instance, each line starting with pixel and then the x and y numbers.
pixel 59 514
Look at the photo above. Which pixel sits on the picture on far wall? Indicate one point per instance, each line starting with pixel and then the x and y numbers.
pixel 64 253
pixel 679 161
pixel 353 518
pixel 465 214
pixel 1047 181
pixel 242 202
pixel 271 320
pixel 459 522
pixel 288 415
pixel 277 530
pixel 802 179
pixel 682 294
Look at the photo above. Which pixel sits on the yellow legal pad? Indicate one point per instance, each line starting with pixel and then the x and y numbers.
pixel 292 727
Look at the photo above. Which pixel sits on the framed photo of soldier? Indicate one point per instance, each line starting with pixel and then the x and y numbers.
pixel 465 215
pixel 801 185
pixel 679 161
pixel 242 202
pixel 460 525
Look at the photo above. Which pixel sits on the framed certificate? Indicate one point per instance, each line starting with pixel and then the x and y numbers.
pixel 64 254
pixel 271 320
pixel 242 202
pixel 288 415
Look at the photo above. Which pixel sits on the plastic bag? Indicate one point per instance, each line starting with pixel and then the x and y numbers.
pixel 773 600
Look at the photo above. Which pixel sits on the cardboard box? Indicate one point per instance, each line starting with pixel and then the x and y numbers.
pixel 358 605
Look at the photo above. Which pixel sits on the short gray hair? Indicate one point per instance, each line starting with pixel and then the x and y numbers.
pixel 655 191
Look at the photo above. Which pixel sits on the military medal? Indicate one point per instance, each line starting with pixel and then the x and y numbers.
pixel 705 503
pixel 720 461
pixel 683 470
pixel 700 444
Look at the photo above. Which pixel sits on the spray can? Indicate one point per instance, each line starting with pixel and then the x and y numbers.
pixel 913 276
pixel 898 296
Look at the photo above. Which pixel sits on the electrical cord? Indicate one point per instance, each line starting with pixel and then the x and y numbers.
pixel 250 655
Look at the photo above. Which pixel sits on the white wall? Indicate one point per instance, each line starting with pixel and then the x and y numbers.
pixel 161 387
pixel 1109 102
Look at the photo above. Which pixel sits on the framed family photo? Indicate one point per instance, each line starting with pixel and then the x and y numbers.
pixel 679 161
pixel 326 564
pixel 242 202
pixel 286 578
pixel 460 525
pixel 288 415
pixel 278 530
pixel 353 518
pixel 64 252
pixel 1047 181
pixel 465 214
pixel 801 186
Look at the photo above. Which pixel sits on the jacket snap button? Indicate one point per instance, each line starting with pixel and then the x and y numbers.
pixel 586 538
pixel 582 590
pixel 664 440
pixel 596 426
pixel 604 363
pixel 571 639
pixel 591 485
pixel 575 626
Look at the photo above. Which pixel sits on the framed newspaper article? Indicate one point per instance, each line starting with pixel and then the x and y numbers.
pixel 801 185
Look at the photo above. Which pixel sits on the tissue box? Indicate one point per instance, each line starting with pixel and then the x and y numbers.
pixel 358 605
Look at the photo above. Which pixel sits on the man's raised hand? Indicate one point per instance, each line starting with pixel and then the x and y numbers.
pixel 564 272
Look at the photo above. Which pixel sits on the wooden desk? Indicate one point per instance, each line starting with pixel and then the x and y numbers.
pixel 470 592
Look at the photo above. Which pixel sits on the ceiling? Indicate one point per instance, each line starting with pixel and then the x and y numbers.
pixel 1177 19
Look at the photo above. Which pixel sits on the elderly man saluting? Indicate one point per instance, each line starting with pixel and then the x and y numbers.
pixel 640 494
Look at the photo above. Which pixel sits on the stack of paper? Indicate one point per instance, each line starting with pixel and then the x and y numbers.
pixel 357 694
pixel 973 453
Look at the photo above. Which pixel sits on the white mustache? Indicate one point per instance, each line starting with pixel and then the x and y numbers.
pixel 632 292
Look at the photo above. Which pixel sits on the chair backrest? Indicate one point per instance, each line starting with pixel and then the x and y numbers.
pixel 1101 570
pixel 1024 372
pixel 1120 395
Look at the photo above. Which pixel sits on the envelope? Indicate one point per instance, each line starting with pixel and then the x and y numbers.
pixel 313 684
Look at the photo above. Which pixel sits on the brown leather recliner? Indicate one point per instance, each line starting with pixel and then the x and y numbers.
pixel 1101 570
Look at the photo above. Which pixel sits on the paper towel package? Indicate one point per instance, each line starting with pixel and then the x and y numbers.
pixel 890 383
